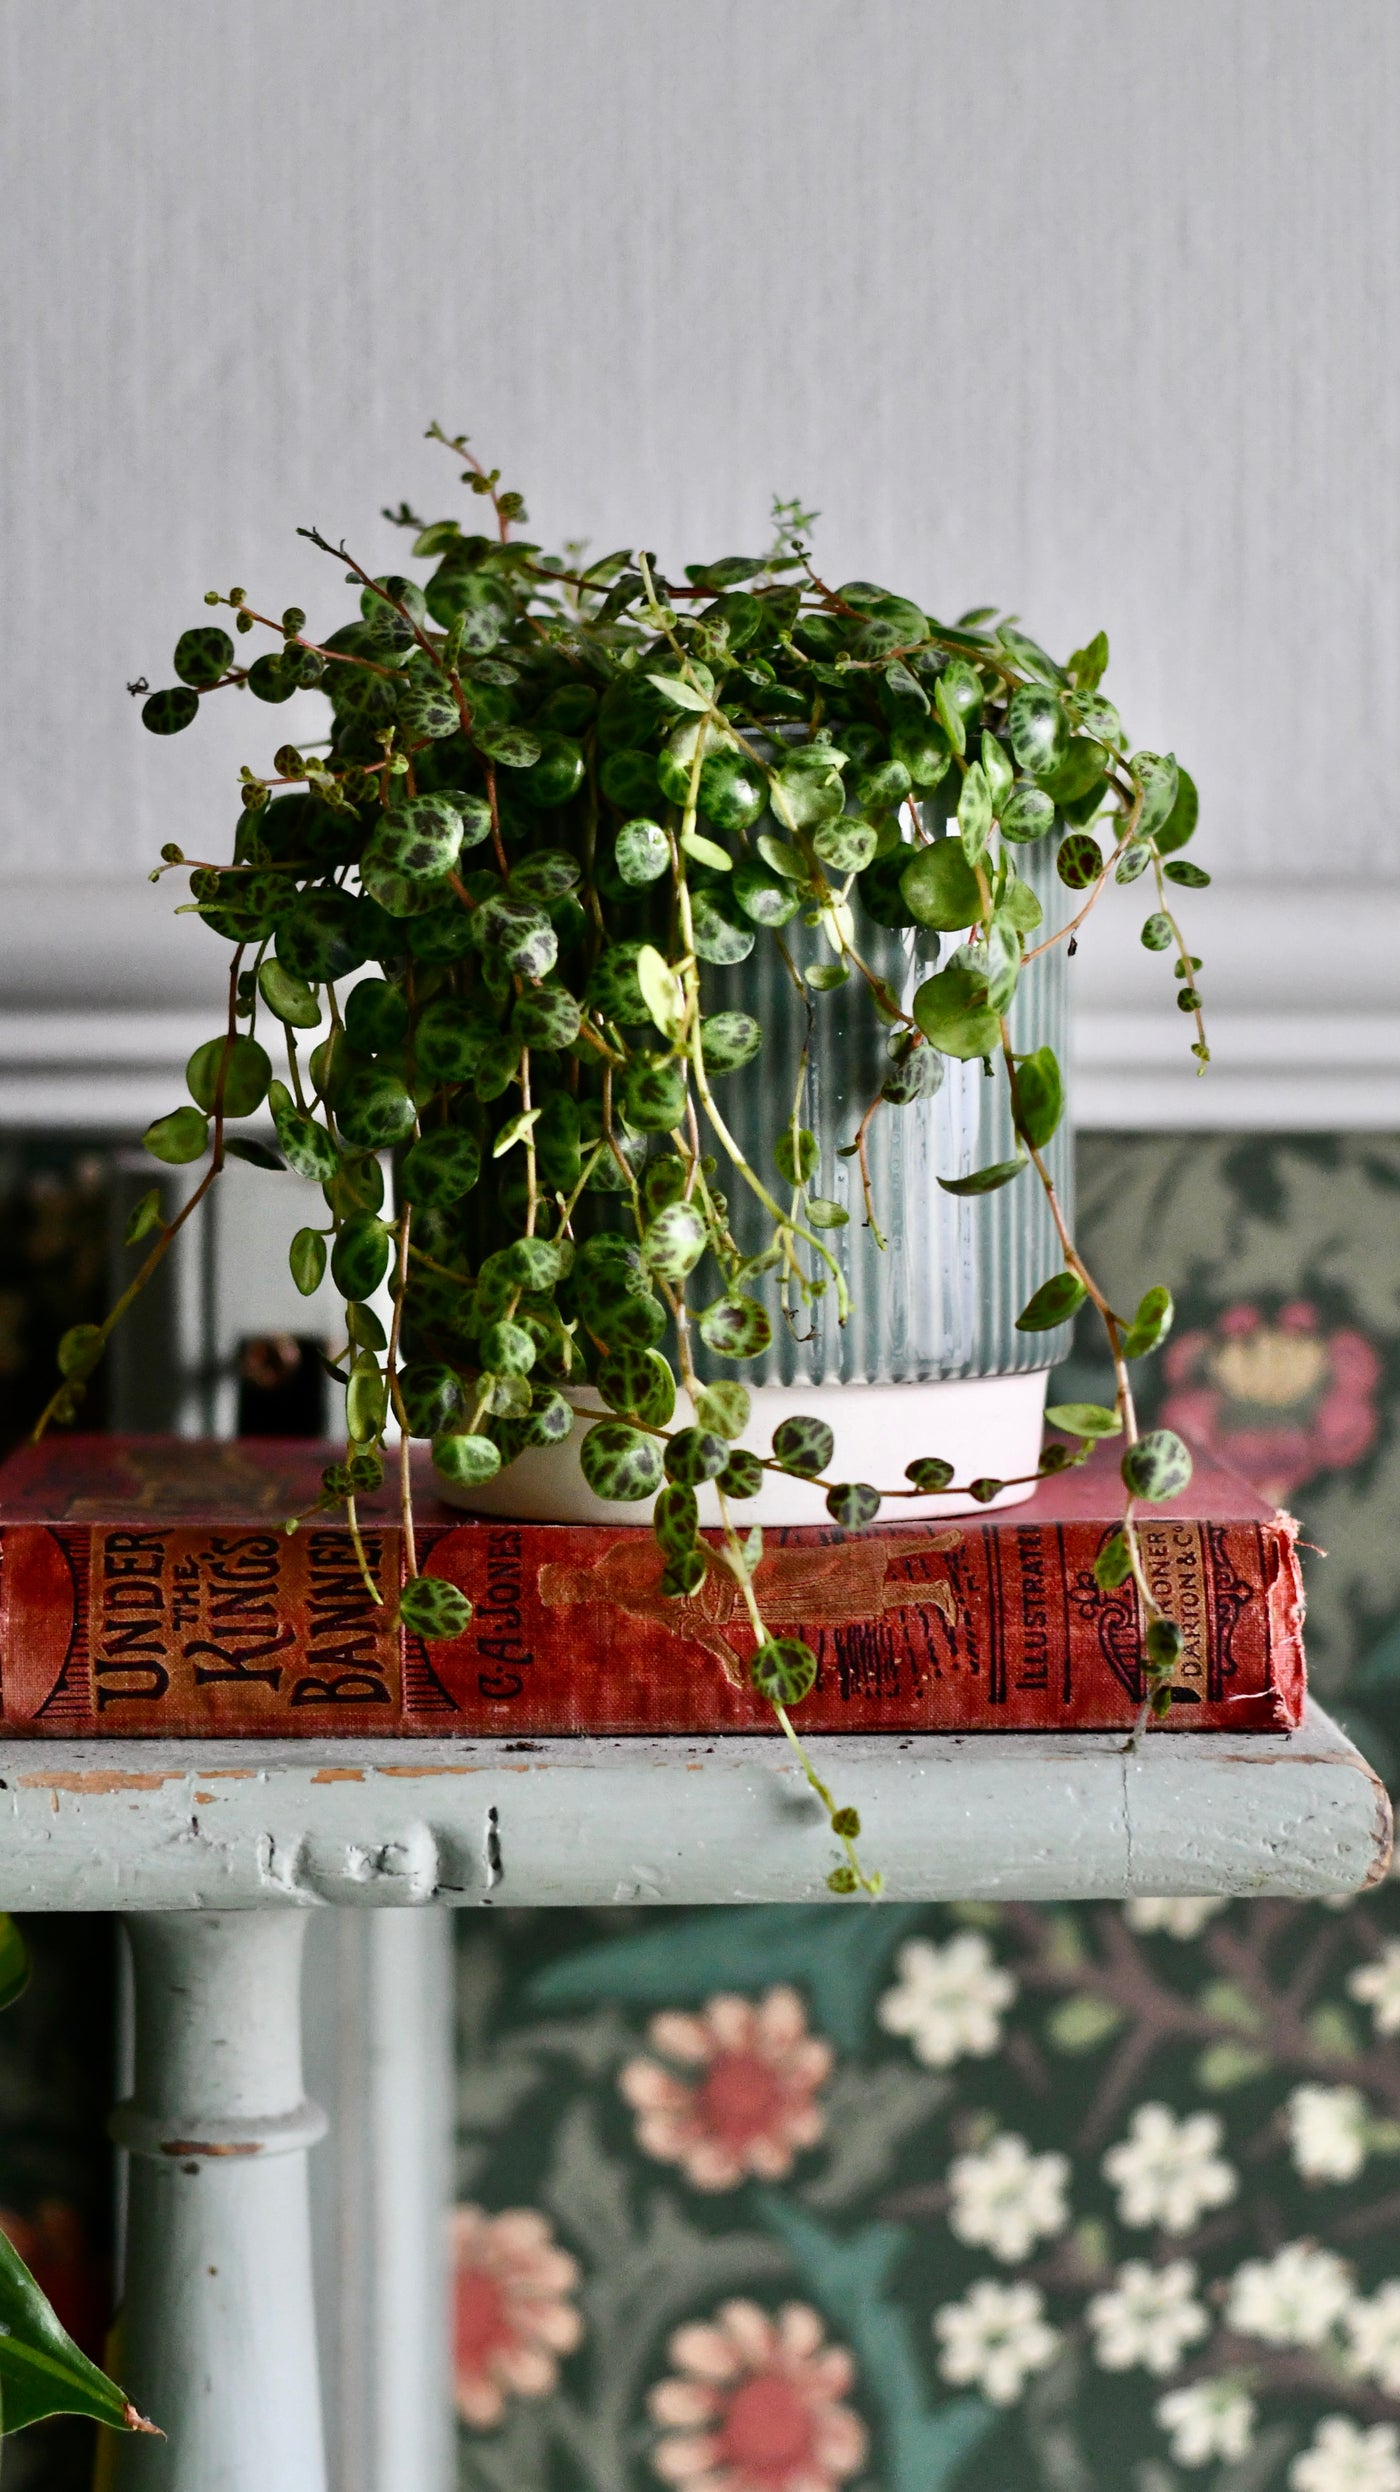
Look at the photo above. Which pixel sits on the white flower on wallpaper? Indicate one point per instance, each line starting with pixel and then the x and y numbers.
pixel 1346 2458
pixel 995 2339
pixel 1377 1986
pixel 1373 2336
pixel 1329 2131
pixel 1150 2316
pixel 1294 2298
pixel 1166 2171
pixel 1173 1916
pixel 1005 2199
pixel 948 2001
pixel 1212 2418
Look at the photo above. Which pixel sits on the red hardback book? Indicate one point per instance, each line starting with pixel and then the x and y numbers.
pixel 149 1588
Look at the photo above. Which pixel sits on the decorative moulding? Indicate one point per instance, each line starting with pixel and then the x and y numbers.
pixel 104 993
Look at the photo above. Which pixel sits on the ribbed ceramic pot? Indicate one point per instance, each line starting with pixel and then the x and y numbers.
pixel 929 1361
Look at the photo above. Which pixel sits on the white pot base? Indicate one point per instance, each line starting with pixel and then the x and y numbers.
pixel 988 1427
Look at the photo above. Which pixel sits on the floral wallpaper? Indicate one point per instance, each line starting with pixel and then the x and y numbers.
pixel 1075 2199
pixel 1016 2199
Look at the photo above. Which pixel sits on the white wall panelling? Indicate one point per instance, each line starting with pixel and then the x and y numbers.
pixel 1302 990
pixel 1082 308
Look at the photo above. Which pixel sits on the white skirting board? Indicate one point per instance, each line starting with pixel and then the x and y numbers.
pixel 158 1826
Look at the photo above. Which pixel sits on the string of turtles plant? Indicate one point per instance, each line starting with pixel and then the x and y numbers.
pixel 553 796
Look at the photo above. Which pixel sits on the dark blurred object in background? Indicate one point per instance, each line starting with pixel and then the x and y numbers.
pixel 53 1270
pixel 281 1386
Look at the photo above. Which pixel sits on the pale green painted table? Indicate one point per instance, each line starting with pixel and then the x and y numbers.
pixel 215 1854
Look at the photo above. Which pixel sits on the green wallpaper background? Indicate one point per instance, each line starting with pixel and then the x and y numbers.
pixel 1078 2199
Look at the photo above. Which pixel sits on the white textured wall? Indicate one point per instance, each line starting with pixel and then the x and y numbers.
pixel 1085 305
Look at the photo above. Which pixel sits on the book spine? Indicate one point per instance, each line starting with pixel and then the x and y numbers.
pixel 245 1631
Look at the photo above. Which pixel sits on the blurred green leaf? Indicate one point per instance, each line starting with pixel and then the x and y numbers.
pixel 14 1961
pixel 984 1180
pixel 42 2371
pixel 1084 1419
pixel 1082 2023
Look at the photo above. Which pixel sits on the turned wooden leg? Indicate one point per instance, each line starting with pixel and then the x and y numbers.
pixel 218 2339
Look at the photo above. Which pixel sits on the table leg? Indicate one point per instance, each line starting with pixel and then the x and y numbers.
pixel 378 2022
pixel 218 2336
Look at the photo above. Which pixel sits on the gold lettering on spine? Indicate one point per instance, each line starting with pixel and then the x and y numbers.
pixel 1174 1558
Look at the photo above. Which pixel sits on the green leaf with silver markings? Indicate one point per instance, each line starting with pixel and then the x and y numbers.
pixel 724 1408
pixel 736 1327
pixel 796 1155
pixel 642 852
pixel 234 1071
pixel 729 1040
pixel 803 1446
pixel 853 1504
pixel 674 1241
pixel 640 1382
pixel 467 1460
pixel 434 1610
pixel 1114 1563
pixel 514 747
pixel 1181 821
pixel 1156 775
pixel 784 1670
pixel 1158 1466
pixel 619 1463
pixel 975 813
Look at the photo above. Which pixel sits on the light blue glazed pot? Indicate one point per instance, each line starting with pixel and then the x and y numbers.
pixel 929 1361
pixel 940 1299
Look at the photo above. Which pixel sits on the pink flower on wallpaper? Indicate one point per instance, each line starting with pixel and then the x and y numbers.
pixel 1279 1397
pixel 511 2315
pixel 756 2405
pixel 748 2104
